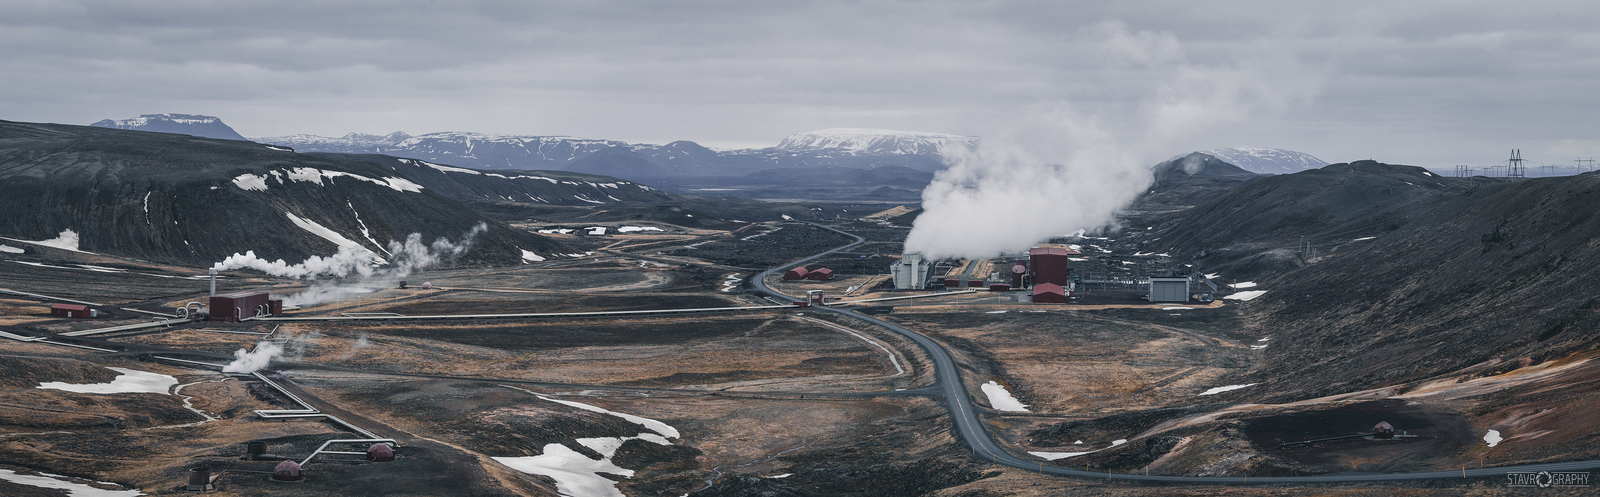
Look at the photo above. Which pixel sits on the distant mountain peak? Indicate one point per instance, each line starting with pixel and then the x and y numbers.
pixel 183 124
pixel 1264 160
pixel 877 141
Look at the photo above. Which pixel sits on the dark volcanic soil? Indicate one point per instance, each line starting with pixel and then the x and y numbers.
pixel 1440 435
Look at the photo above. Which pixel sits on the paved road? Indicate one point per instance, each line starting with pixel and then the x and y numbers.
pixel 953 393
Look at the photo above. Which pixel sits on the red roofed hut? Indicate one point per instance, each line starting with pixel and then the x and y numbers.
pixel 1383 430
pixel 798 273
pixel 1049 293
pixel 287 471
pixel 821 274
pixel 380 452
pixel 69 310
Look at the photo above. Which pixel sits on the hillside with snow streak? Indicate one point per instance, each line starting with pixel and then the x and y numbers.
pixel 188 200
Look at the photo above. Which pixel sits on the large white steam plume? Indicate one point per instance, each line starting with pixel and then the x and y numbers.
pixel 405 258
pixel 1061 170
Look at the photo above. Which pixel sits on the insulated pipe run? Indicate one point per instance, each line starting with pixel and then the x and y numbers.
pixel 213 282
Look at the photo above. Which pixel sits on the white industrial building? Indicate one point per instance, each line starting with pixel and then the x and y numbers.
pixel 910 272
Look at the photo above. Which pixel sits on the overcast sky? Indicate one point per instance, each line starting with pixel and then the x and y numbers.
pixel 1425 83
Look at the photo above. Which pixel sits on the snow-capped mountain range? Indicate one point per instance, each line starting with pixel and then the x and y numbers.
pixel 839 147
pixel 1264 160
pixel 877 141
pixel 185 124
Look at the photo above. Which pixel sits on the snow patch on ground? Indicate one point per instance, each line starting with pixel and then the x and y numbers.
pixel 730 281
pixel 530 256
pixel 597 230
pixel 1002 311
pixel 1244 284
pixel 1257 347
pixel 130 381
pixel 72 489
pixel 1002 399
pixel 1363 238
pixel 10 249
pixel 1246 296
pixel 251 182
pixel 1051 456
pixel 556 230
pixel 1228 388
pixel 630 229
pixel 1493 438
pixel 578 475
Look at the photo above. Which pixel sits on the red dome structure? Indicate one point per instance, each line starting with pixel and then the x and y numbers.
pixel 287 471
pixel 380 452
pixel 1383 430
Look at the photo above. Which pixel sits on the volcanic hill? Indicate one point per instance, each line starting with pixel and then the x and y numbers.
pixel 189 200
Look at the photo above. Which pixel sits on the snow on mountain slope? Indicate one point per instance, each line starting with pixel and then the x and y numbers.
pixel 839 147
pixel 1264 160
pixel 876 141
pixel 480 150
pixel 186 124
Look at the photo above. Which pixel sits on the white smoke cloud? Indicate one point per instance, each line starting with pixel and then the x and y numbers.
pixel 255 360
pixel 1061 169
pixel 405 258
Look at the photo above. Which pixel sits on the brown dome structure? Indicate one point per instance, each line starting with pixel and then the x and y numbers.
pixel 287 471
pixel 380 452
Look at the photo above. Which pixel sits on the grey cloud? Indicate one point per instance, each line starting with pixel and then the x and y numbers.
pixel 1443 73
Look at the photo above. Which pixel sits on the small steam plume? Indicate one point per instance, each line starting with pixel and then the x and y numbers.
pixel 1063 170
pixel 405 258
pixel 252 361
pixel 360 343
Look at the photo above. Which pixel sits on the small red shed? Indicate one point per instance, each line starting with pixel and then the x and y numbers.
pixel 1049 293
pixel 798 273
pixel 976 283
pixel 70 310
pixel 1000 287
pixel 952 282
pixel 821 274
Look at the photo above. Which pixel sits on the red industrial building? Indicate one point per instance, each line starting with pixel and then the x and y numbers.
pixel 1050 265
pixel 798 273
pixel 975 283
pixel 71 310
pixel 821 274
pixel 233 307
pixel 1049 293
pixel 952 282
pixel 1000 287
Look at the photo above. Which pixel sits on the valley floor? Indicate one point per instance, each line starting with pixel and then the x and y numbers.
pixel 756 401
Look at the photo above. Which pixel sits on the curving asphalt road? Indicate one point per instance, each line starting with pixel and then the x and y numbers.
pixel 947 382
